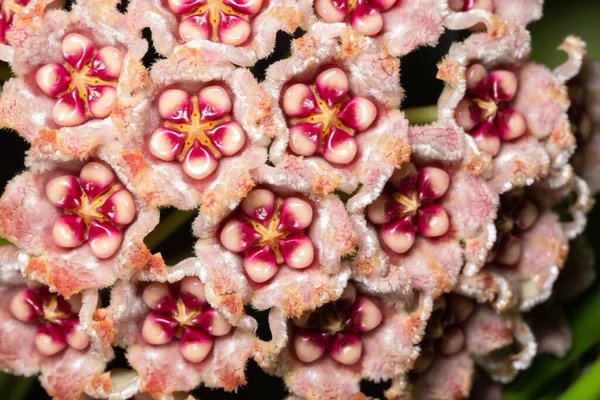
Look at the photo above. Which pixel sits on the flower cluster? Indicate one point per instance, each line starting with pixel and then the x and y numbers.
pixel 381 250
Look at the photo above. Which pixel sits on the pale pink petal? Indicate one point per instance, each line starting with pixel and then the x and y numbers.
pixel 448 377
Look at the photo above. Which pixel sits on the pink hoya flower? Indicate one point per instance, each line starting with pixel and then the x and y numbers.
pixel 515 110
pixel 495 14
pixel 42 332
pixel 461 334
pixel 77 75
pixel 174 337
pixel 338 123
pixel 281 247
pixel 243 31
pixel 51 210
pixel 327 351
pixel 400 26
pixel 200 125
pixel 431 218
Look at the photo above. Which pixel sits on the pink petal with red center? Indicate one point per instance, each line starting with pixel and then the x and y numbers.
pixel 229 138
pixel 304 139
pixel 477 79
pixel 195 27
pixel 365 315
pixel 213 102
pixel 248 7
pixel 69 110
pixel 64 191
pixel 174 105
pixel 453 341
pixel 432 220
pixel 195 345
pixel 383 209
pixel 467 114
pixel 237 235
pixel 358 113
pixel 199 162
pixel 487 138
pixel 404 178
pixel 233 29
pixel 510 124
pixel 119 207
pixel 191 291
pixel 432 183
pixel 25 307
pixel 345 348
pixel 213 322
pixel 166 144
pixel 366 19
pixel 339 147
pixel 159 297
pixel 158 328
pixel 509 250
pixel 107 63
pixel 104 239
pixel 447 377
pixel 75 335
pixel 52 79
pixel 398 234
pixel 260 264
pixel 332 85
pixel 309 346
pixel 101 100
pixel 299 101
pixel 331 10
pixel 77 50
pixel 259 205
pixel 69 231
pixel 96 178
pixel 181 7
pixel 297 251
pixel 503 85
pixel 295 214
pixel 50 340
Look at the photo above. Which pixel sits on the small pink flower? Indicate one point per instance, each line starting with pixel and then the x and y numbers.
pixel 175 338
pixel 43 333
pixel 194 132
pixel 242 31
pixel 327 351
pixel 50 213
pixel 337 126
pixel 399 26
pixel 495 14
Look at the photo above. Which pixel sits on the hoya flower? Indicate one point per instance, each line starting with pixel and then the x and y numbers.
pixel 243 31
pixel 194 132
pixel 463 14
pixel 514 109
pixel 432 218
pixel 82 226
pixel 462 334
pixel 76 67
pixel 400 26
pixel 44 333
pixel 326 352
pixel 339 124
pixel 175 338
pixel 281 247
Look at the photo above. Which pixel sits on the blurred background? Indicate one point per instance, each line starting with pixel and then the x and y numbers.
pixel 575 376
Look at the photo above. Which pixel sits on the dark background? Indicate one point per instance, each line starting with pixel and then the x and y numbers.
pixel 418 71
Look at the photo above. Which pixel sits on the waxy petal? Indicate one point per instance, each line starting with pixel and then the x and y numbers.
pixel 364 316
pixel 331 10
pixel 467 114
pixel 213 322
pixel 295 214
pixel 181 7
pixel 95 178
pixel 166 144
pixel 366 19
pixel 199 162
pixel 503 85
pixel 304 139
pixel 107 63
pixel 213 102
pixel 297 251
pixel 69 231
pixel 174 105
pixel 477 81
pixel 25 307
pixel 510 124
pixel 260 264
pixel 358 113
pixel 309 346
pixel 77 50
pixel 398 234
pixel 346 348
pixel 339 147
pixel 64 191
pixel 229 138
pixel 233 29
pixel 383 209
pixel 104 239
pixel 248 7
pixel 432 220
pixel 432 183
pixel 75 335
pixel 487 138
pixel 237 235
pixel 191 291
pixel 299 101
pixel 52 79
pixel 50 340
pixel 332 85
pixel 195 27
pixel 195 345
pixel 405 178
pixel 159 297
pixel 101 100
pixel 158 328
pixel 119 207
pixel 259 205
pixel 69 109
